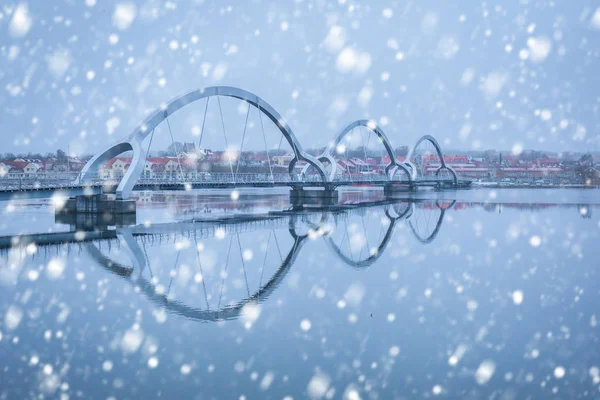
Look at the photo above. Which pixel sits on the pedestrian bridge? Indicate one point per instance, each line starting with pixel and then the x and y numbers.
pixel 286 164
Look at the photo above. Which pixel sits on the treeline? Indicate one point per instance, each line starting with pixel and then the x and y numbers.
pixel 58 154
pixel 526 155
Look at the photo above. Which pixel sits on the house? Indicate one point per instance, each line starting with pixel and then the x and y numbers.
pixel 385 160
pixel 591 175
pixel 529 172
pixel 168 168
pixel 32 169
pixel 21 168
pixel 471 171
pixel 547 162
pixel 361 165
pixel 434 159
pixel 55 168
pixel 511 161
pixel 118 167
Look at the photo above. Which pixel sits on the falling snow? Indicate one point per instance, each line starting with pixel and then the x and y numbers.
pixel 21 21
pixel 485 371
pixel 484 293
pixel 124 15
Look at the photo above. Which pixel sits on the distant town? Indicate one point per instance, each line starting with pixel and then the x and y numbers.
pixel 186 161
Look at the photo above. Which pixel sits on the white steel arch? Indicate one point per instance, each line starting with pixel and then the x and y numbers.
pixel 133 142
pixel 438 149
pixel 372 126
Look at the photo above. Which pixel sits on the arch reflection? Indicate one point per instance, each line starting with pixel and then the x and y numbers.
pixel 210 270
pixel 297 227
pixel 170 263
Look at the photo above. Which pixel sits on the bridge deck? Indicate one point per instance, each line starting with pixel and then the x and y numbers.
pixel 244 184
pixel 296 185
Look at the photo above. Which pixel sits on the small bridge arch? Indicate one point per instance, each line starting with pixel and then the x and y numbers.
pixel 332 148
pixel 438 149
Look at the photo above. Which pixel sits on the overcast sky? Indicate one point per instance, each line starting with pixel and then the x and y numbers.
pixel 475 74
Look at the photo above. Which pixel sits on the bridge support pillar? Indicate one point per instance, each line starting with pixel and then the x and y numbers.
pixel 98 204
pixel 317 197
pixel 94 222
pixel 390 189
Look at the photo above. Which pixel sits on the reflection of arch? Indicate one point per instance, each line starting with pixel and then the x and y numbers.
pixel 229 312
pixel 327 155
pixel 440 154
pixel 134 140
pixel 135 254
pixel 393 211
pixel 137 257
pixel 438 225
pixel 382 246
pixel 396 208
pixel 106 262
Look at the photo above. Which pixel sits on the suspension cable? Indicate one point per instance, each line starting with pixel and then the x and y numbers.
pixel 266 146
pixel 174 147
pixel 237 166
pixel 243 264
pixel 262 270
pixel 369 141
pixel 347 235
pixel 278 248
pixel 148 151
pixel 173 277
pixel 348 164
pixel 366 236
pixel 383 155
pixel 225 136
pixel 362 139
pixel 203 122
pixel 225 274
pixel 201 271
pixel 147 259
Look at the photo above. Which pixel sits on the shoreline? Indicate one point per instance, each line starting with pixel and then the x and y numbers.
pixel 508 185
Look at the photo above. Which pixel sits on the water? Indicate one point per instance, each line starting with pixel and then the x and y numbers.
pixel 469 294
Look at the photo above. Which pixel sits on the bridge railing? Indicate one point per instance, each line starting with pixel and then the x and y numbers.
pixel 20 181
pixel 70 179
pixel 250 178
pixel 433 178
pixel 219 178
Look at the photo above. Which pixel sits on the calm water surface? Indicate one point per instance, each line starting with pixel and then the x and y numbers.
pixel 470 294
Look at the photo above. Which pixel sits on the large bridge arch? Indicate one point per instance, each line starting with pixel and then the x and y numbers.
pixel 440 153
pixel 134 140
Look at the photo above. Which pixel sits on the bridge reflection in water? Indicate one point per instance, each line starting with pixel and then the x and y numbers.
pixel 212 270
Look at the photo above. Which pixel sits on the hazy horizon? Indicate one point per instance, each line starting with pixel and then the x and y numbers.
pixel 85 73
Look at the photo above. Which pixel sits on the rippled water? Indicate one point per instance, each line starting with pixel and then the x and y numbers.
pixel 472 294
